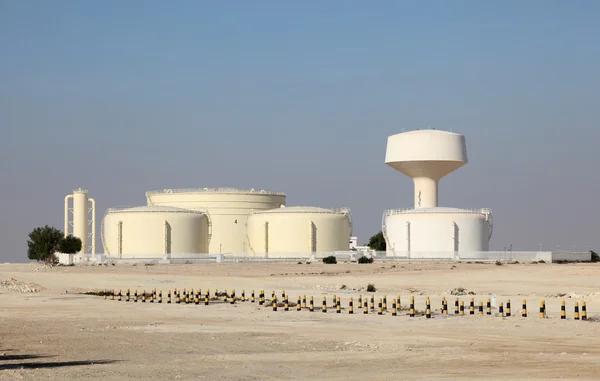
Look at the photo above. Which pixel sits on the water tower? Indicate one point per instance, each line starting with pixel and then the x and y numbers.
pixel 84 220
pixel 430 231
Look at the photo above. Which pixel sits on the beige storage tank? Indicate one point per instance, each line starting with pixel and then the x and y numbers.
pixel 228 209
pixel 154 231
pixel 298 231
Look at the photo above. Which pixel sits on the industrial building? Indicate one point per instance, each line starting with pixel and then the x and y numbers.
pixel 427 230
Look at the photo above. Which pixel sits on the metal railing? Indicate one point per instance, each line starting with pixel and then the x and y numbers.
pixel 153 208
pixel 390 212
pixel 216 190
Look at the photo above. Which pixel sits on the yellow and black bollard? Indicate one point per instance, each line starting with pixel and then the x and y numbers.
pixel 216 292
pixel 112 294
pixel 338 306
pixel 160 296
pixel 563 310
pixel 480 308
pixel 359 301
pixel 206 297
pixel 233 294
pixel 127 295
pixel 243 295
pixel 489 307
pixel 443 304
pixel 508 307
pixel 333 301
pixel 394 311
pixel 105 293
pixel 524 308
pixel 169 297
pixel 576 314
pixel 178 297
pixel 304 301
pixel 144 296
pixel 225 296
pixel 385 303
pixel 583 311
pixel 366 308
pixel 252 298
pixel 380 307
pixel 412 306
pixel 542 312
pixel 272 294
pixel 445 307
pixel 135 296
pixel 197 296
pixel 472 306
pixel 428 308
pixel 262 297
pixel 299 304
pixel 274 303
pixel 119 296
pixel 282 294
pixel 501 309
pixel 286 304
pixel 462 308
pixel 311 307
pixel 350 307
pixel 232 297
pixel 152 296
pixel 456 307
pixel 399 305
pixel 372 302
pixel 324 308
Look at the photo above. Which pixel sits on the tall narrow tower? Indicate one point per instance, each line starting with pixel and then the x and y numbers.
pixel 79 225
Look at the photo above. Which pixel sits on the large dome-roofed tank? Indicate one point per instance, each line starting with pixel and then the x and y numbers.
pixel 298 231
pixel 153 231
pixel 228 209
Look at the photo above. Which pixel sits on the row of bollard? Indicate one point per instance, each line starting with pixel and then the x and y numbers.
pixel 186 296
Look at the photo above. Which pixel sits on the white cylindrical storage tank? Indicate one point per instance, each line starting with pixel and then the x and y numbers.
pixel 437 233
pixel 228 209
pixel 298 231
pixel 154 231
pixel 80 217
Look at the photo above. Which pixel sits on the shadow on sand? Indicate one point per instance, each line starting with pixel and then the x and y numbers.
pixel 42 365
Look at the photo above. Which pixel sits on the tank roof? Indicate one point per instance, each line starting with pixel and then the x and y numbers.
pixel 302 209
pixel 438 210
pixel 216 190
pixel 152 209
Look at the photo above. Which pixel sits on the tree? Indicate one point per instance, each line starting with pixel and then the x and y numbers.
pixel 43 242
pixel 69 245
pixel 377 242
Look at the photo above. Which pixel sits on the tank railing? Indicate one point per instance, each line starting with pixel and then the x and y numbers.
pixel 437 210
pixel 154 208
pixel 216 190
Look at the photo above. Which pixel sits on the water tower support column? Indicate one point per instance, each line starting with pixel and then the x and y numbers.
pixel 426 192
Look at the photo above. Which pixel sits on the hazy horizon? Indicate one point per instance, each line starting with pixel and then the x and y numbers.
pixel 125 97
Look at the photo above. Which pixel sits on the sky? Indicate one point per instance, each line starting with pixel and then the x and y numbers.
pixel 300 97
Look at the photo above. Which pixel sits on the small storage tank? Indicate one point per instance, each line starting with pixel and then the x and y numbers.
pixel 228 209
pixel 436 233
pixel 297 231
pixel 154 231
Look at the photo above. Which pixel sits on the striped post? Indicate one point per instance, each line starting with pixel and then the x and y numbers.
pixel 333 301
pixel 127 295
pixel 563 310
pixel 225 296
pixel 480 308
pixel 428 308
pixel 286 304
pixel 216 292
pixel 399 305
pixel 365 308
pixel 272 294
pixel 412 306
pixel 282 294
pixel 299 304
pixel 105 293
pixel 197 296
pixel 152 296
pixel 394 310
pixel 380 307
pixel 144 296
pixel 160 296
pixel 119 296
pixel 576 314
pixel 542 312
pixel 472 306
pixel 261 297
pixel 456 307
pixel 359 301
pixel 489 307
pixel 311 307
pixel 243 295
pixel 443 303
pixel 350 307
pixel 372 302
pixel 135 297
pixel 445 307
pixel 206 297
pixel 252 298
pixel 112 294
pixel 524 308
pixel 304 301
pixel 178 297
pixel 583 311
pixel 462 308
pixel 385 303
pixel 233 293
pixel 274 303
pixel 508 307
pixel 324 307
pixel 501 309
pixel 338 305
pixel 169 297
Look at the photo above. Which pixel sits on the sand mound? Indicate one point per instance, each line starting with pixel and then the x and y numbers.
pixel 13 285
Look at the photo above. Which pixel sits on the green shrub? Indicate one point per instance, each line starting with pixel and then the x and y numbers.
pixel 371 288
pixel 365 260
pixel 330 260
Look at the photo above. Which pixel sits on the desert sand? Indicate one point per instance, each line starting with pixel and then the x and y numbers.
pixel 58 333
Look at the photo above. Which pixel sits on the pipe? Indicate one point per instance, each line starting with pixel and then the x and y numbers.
pixel 426 192
pixel 407 237
pixel 120 239
pixel 266 239
pixel 93 210
pixel 67 197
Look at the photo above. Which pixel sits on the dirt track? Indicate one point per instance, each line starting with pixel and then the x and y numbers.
pixel 60 334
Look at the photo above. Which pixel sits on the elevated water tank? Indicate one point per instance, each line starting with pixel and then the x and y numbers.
pixel 153 231
pixel 296 231
pixel 228 209
pixel 436 233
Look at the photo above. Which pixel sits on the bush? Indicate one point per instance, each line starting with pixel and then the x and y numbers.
pixel 365 260
pixel 595 256
pixel 330 260
pixel 371 288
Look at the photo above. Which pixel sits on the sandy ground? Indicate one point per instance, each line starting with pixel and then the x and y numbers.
pixel 61 334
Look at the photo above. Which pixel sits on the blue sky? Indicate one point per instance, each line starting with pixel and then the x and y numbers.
pixel 123 97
